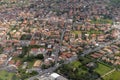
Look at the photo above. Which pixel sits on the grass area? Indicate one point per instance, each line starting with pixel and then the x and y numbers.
pixel 17 58
pixel 118 54
pixel 102 21
pixel 81 71
pixel 94 32
pixel 102 69
pixel 113 76
pixel 76 64
pixel 76 32
pixel 4 75
pixel 31 63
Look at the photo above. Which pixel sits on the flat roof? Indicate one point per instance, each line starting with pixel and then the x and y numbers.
pixel 55 75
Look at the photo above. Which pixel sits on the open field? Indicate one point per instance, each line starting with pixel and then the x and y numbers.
pixel 4 75
pixel 113 76
pixel 102 69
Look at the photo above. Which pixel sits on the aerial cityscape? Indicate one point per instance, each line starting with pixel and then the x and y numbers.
pixel 59 39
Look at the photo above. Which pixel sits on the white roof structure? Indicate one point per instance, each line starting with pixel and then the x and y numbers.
pixel 54 75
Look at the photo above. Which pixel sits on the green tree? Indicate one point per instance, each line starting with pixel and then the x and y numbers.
pixel 14 77
pixel 25 50
pixel 40 56
pixel 44 66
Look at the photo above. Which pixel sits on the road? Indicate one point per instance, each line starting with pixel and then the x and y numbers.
pixel 58 47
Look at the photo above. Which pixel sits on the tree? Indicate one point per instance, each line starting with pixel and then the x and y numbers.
pixel 25 37
pixel 44 66
pixel 14 77
pixel 84 60
pixel 34 73
pixel 25 50
pixel 36 79
pixel 1 79
pixel 28 58
pixel 40 56
pixel 76 36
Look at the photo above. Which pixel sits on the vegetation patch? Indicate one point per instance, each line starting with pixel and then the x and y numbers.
pixel 4 75
pixel 76 64
pixel 101 21
pixel 76 32
pixel 102 69
pixel 113 76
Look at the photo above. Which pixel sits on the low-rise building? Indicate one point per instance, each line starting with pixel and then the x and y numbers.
pixel 37 64
pixel 55 76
